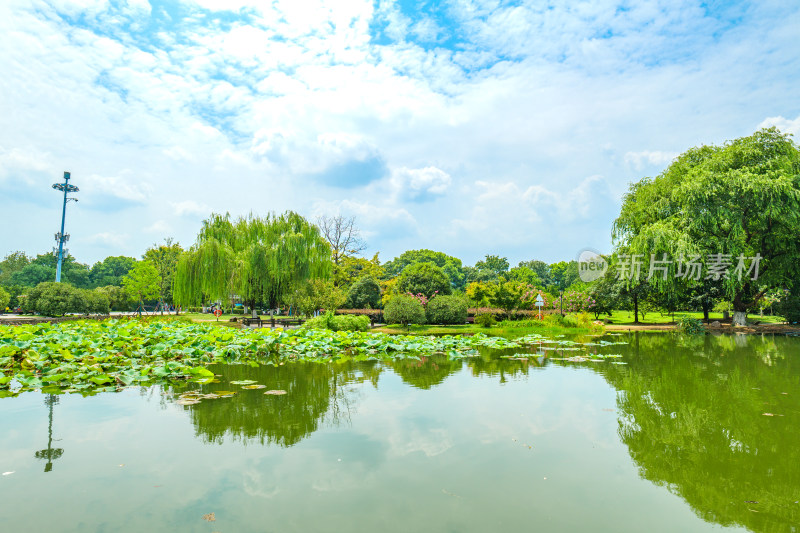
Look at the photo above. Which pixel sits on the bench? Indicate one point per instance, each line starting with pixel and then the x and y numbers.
pixel 249 321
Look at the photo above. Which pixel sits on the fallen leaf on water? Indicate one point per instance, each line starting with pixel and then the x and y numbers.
pixel 275 392
pixel 210 396
pixel 243 382
pixel 187 402
pixel 254 387
pixel 209 517
pixel 223 393
pixel 8 473
pixel 767 414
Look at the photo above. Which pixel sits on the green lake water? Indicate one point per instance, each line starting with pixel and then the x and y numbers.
pixel 689 434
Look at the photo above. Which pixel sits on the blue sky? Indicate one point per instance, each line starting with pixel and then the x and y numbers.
pixel 468 126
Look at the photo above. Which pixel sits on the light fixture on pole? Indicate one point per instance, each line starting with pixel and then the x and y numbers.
pixel 61 237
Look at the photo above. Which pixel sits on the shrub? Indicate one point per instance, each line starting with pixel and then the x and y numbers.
pixel 404 310
pixel 425 278
pixel 690 325
pixel 446 310
pixel 339 322
pixel 365 293
pixel 55 299
pixel 95 302
pixel 485 320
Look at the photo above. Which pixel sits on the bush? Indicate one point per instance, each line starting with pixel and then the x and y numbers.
pixel 55 299
pixel 95 302
pixel 788 307
pixel 339 322
pixel 365 293
pixel 446 310
pixel 404 310
pixel 423 278
pixel 690 325
pixel 485 320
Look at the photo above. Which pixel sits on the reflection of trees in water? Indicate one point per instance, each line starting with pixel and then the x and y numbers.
pixel 428 371
pixel 692 416
pixel 50 453
pixel 314 391
pixel 490 363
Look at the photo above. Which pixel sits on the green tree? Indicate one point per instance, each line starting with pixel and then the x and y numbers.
pixel 165 258
pixel 118 299
pixel 315 294
pixel 13 262
pixel 5 299
pixel 511 296
pixel 447 310
pixel 142 282
pixel 732 202
pixel 364 293
pixel 54 299
pixel 351 269
pixel 110 271
pixel 260 260
pixel 525 275
pixel 450 265
pixel 404 310
pixel 563 274
pixel 493 263
pixel 424 278
pixel 479 275
pixel 541 268
pixel 43 268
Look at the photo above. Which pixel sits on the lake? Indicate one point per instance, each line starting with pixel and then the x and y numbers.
pixel 680 433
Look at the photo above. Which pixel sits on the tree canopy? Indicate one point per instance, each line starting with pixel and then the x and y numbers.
pixel 258 259
pixel 450 265
pixel 734 206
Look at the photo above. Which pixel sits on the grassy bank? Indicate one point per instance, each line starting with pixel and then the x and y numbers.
pixel 626 317
pixel 501 330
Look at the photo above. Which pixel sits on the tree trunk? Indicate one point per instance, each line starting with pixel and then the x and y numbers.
pixel 739 318
pixel 706 309
pixel 635 309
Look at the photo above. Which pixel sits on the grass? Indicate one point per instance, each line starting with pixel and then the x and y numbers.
pixel 499 330
pixel 626 317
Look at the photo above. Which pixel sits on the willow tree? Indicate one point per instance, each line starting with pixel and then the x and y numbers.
pixel 260 260
pixel 733 211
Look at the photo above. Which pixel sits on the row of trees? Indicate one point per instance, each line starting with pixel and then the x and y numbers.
pixel 742 198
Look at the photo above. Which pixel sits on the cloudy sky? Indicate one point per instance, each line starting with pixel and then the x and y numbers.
pixel 466 126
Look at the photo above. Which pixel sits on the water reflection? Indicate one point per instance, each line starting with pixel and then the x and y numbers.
pixel 716 420
pixel 314 391
pixel 50 454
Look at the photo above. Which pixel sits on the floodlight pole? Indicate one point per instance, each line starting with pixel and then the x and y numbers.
pixel 61 237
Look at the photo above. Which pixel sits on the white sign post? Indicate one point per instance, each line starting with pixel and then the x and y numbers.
pixel 539 304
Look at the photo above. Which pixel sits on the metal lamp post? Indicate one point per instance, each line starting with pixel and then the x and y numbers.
pixel 62 237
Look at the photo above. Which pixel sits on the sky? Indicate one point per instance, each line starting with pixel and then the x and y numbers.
pixel 471 127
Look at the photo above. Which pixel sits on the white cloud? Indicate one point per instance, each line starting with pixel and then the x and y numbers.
pixel 485 119
pixel 640 160
pixel 107 239
pixel 786 125
pixel 414 183
pixel 191 208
